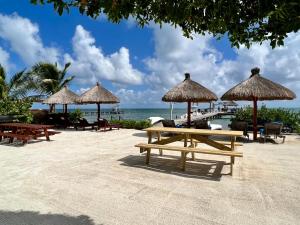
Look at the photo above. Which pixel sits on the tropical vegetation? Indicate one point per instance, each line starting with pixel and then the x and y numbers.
pixel 243 21
pixel 17 107
pixel 13 87
pixel 18 92
pixel 75 115
pixel 132 124
pixel 288 117
pixel 47 79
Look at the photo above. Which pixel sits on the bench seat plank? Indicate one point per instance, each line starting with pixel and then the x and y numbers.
pixel 189 149
pixel 220 142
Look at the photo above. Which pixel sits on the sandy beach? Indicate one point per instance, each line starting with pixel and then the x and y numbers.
pixel 93 178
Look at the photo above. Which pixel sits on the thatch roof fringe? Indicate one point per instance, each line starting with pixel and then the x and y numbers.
pixel 64 96
pixel 98 94
pixel 189 90
pixel 259 88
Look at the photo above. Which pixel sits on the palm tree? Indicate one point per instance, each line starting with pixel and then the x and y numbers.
pixel 47 78
pixel 15 87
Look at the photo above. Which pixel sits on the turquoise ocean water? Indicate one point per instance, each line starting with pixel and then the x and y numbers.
pixel 142 114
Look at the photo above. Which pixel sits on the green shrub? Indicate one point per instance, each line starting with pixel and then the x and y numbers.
pixel 19 108
pixel 286 116
pixel 133 124
pixel 75 115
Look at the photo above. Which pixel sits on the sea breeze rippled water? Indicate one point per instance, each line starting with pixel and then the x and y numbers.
pixel 142 114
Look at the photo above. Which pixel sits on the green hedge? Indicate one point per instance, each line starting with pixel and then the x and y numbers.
pixel 133 124
pixel 286 116
pixel 19 108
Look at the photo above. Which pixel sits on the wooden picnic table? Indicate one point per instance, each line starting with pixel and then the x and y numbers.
pixel 192 137
pixel 25 132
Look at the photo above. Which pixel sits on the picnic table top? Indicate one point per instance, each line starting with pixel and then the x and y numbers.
pixel 195 131
pixel 26 125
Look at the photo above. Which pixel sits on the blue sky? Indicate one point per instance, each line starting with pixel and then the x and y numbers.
pixel 138 65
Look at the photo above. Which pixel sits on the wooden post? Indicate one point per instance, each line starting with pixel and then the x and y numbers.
pixel 255 119
pixel 65 108
pixel 52 108
pixel 98 111
pixel 159 139
pixel 189 114
pixel 148 156
pixel 232 146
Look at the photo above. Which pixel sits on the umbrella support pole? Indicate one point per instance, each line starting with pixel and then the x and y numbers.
pixel 98 111
pixel 255 119
pixel 189 114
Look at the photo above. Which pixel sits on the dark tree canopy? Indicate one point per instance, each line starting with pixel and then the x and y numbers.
pixel 244 21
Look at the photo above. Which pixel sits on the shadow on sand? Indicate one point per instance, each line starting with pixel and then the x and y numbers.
pixel 17 143
pixel 200 168
pixel 35 218
pixel 140 134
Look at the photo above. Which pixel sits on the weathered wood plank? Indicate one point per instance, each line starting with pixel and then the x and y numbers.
pixel 205 132
pixel 188 149
pixel 210 142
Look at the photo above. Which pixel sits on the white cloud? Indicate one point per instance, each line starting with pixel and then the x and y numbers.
pixel 4 59
pixel 174 55
pixel 89 64
pixel 80 91
pixel 140 98
pixel 23 37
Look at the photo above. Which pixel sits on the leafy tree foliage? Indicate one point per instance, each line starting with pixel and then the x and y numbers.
pixel 14 87
pixel 47 78
pixel 19 108
pixel 245 21
pixel 288 117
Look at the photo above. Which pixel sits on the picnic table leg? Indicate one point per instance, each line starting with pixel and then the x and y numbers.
pixel 46 134
pixel 232 157
pixel 183 160
pixel 232 148
pixel 193 146
pixel 149 137
pixel 159 138
pixel 14 131
pixel 148 156
pixel 2 131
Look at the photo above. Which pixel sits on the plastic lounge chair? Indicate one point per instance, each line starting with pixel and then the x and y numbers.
pixel 201 124
pixel 240 126
pixel 105 125
pixel 83 123
pixel 274 129
pixel 168 123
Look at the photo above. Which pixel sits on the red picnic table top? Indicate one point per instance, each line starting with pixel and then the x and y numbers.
pixel 26 125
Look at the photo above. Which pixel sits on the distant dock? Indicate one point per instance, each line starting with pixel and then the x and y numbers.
pixel 206 116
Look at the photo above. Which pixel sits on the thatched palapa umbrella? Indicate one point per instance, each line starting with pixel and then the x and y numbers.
pixel 98 95
pixel 230 103
pixel 257 88
pixel 64 97
pixel 189 91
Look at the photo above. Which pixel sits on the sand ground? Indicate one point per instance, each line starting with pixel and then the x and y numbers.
pixel 92 178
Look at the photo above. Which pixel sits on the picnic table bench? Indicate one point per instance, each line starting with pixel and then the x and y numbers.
pixel 193 137
pixel 25 132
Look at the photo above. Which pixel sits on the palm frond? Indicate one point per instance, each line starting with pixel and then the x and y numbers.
pixel 66 81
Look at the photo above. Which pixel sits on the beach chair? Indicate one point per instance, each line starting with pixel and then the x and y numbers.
pixel 273 129
pixel 201 124
pixel 104 125
pixel 83 123
pixel 168 123
pixel 240 126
